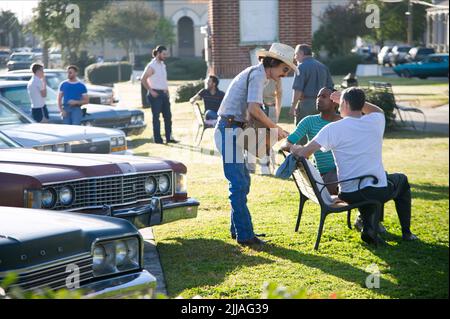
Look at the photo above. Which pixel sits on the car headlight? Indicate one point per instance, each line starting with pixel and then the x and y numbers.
pixel 59 148
pixel 133 119
pixel 121 141
pixel 66 195
pixel 181 183
pixel 118 144
pixel 87 123
pixel 150 185
pixel 114 141
pixel 163 183
pixel 116 256
pixel 48 198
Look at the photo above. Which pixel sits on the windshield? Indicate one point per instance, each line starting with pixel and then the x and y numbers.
pixel 403 49
pixel 10 116
pixel 21 57
pixel 6 142
pixel 53 82
pixel 18 95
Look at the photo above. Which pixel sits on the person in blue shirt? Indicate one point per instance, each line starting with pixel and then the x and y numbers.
pixel 71 96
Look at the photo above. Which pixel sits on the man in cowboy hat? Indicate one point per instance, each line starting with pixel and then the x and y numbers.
pixel 244 98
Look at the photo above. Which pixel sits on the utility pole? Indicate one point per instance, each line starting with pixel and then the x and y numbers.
pixel 409 14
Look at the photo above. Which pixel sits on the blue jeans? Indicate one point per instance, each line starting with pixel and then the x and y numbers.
pixel 161 104
pixel 238 177
pixel 211 115
pixel 73 116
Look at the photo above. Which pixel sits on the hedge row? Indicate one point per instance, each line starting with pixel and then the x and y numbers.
pixel 108 72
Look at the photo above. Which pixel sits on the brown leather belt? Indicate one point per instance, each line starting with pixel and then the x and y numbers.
pixel 229 120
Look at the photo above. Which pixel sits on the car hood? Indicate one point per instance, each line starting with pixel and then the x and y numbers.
pixel 100 108
pixel 50 167
pixel 33 236
pixel 98 88
pixel 35 134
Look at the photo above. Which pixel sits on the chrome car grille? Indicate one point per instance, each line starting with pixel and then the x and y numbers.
pixel 111 191
pixel 54 277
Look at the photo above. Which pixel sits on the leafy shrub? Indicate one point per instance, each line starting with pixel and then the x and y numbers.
pixel 385 101
pixel 186 91
pixel 340 65
pixel 107 73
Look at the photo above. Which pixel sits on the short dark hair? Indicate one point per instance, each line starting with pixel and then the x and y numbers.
pixel 305 48
pixel 73 67
pixel 158 49
pixel 269 62
pixel 36 67
pixel 355 98
pixel 215 79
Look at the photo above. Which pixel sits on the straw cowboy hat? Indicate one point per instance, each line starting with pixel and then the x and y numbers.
pixel 281 52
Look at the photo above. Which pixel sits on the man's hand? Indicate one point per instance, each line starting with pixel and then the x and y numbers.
pixel 154 93
pixel 282 134
pixel 296 149
pixel 63 113
pixel 286 146
pixel 336 97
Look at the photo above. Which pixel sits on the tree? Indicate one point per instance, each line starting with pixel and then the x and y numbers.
pixel 341 24
pixel 64 23
pixel 393 21
pixel 125 25
pixel 9 29
pixel 164 33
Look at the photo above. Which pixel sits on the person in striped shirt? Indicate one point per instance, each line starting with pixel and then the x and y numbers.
pixel 309 126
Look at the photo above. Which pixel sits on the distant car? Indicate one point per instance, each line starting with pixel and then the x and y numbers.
pixel 97 94
pixel 20 61
pixel 4 56
pixel 364 53
pixel 432 65
pixel 383 56
pixel 146 191
pixel 102 257
pixel 398 54
pixel 131 121
pixel 56 137
pixel 418 54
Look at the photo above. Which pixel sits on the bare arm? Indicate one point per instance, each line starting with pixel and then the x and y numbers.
pixel 60 97
pixel 371 108
pixel 44 88
pixel 196 97
pixel 145 77
pixel 84 100
pixel 305 151
pixel 297 96
pixel 278 98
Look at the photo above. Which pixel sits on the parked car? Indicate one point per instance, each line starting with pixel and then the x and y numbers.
pixel 398 54
pixel 4 56
pixel 365 53
pixel 20 61
pixel 132 122
pixel 145 191
pixel 383 56
pixel 418 54
pixel 97 94
pixel 102 257
pixel 432 65
pixel 56 137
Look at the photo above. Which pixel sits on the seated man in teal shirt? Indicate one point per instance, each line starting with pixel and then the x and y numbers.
pixel 309 126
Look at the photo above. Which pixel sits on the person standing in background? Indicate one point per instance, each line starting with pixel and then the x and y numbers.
pixel 311 78
pixel 155 81
pixel 72 95
pixel 37 90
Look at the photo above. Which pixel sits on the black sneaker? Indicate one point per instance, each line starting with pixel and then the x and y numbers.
pixel 372 239
pixel 409 237
pixel 172 141
pixel 253 242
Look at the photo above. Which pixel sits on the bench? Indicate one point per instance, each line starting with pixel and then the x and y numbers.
pixel 402 113
pixel 202 123
pixel 311 187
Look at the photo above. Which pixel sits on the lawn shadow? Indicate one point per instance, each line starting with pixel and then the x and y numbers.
pixel 412 134
pixel 207 262
pixel 429 192
pixel 404 262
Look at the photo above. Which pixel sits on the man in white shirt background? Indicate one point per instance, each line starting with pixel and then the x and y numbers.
pixel 37 90
pixel 356 143
pixel 154 79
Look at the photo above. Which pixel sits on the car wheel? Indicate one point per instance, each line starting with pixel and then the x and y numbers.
pixel 406 74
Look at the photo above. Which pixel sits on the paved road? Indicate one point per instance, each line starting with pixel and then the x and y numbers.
pixel 437 119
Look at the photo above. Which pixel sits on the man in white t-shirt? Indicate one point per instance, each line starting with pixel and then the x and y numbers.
pixel 356 143
pixel 37 90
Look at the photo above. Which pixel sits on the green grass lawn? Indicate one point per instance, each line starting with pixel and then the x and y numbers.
pixel 199 257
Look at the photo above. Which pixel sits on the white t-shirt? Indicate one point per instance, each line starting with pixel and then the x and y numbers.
pixel 158 80
pixel 356 144
pixel 34 87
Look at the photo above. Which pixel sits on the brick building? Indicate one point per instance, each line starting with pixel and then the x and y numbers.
pixel 239 27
